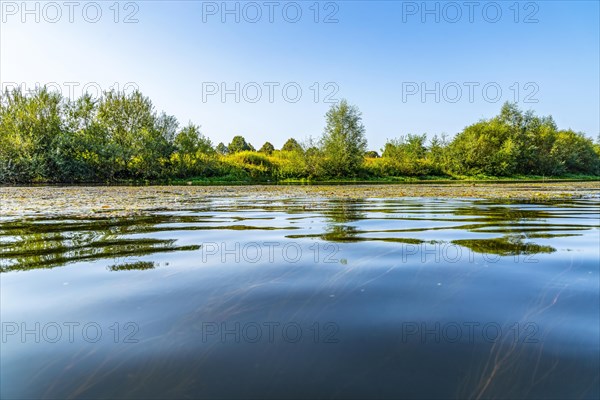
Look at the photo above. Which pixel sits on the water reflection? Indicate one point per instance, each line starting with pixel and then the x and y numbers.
pixel 140 265
pixel 505 246
pixel 338 214
pixel 389 300
pixel 50 242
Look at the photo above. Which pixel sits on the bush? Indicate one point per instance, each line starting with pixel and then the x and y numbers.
pixel 254 165
pixel 289 164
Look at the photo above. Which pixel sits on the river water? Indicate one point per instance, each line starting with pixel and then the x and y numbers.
pixel 272 298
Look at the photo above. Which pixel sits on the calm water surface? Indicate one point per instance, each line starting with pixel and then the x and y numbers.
pixel 238 298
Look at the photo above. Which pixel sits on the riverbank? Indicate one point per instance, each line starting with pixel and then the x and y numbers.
pixel 379 180
pixel 124 200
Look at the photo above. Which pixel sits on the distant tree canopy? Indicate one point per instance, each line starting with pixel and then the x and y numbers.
pixel 291 145
pixel 521 143
pixel 238 143
pixel 189 140
pixel 267 148
pixel 47 138
pixel 222 149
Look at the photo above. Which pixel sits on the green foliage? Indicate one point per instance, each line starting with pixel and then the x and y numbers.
pixel 189 140
pixel 314 160
pixel 574 153
pixel 405 157
pixel 291 145
pixel 483 148
pixel 222 149
pixel 437 155
pixel 249 163
pixel 29 127
pixel 189 165
pixel 141 140
pixel 267 148
pixel 344 143
pixel 47 138
pixel 517 143
pixel 194 154
pixel 238 143
pixel 290 164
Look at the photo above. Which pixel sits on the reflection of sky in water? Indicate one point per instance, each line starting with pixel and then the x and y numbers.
pixel 533 265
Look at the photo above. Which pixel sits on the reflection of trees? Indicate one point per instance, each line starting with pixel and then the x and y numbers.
pixel 503 213
pixel 47 244
pixel 341 211
pixel 505 246
pixel 140 265
pixel 340 233
pixel 509 221
pixel 338 213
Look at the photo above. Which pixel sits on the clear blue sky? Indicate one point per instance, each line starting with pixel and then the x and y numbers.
pixel 377 55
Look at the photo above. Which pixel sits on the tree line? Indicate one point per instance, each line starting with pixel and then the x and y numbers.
pixel 45 137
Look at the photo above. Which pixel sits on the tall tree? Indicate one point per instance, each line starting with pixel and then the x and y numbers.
pixel 344 143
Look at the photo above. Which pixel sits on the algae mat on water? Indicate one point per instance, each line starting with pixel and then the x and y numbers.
pixel 130 200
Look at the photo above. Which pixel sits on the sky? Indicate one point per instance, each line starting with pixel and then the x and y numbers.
pixel 269 70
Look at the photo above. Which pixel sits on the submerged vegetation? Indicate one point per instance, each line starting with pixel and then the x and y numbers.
pixel 121 137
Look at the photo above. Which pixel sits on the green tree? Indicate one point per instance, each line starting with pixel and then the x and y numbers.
pixel 516 142
pixel 344 143
pixel 30 126
pixel 189 140
pixel 238 143
pixel 47 138
pixel 484 148
pixel 79 154
pixel 406 155
pixel 193 153
pixel 574 153
pixel 437 154
pixel 292 145
pixel 222 149
pixel 267 148
pixel 139 140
